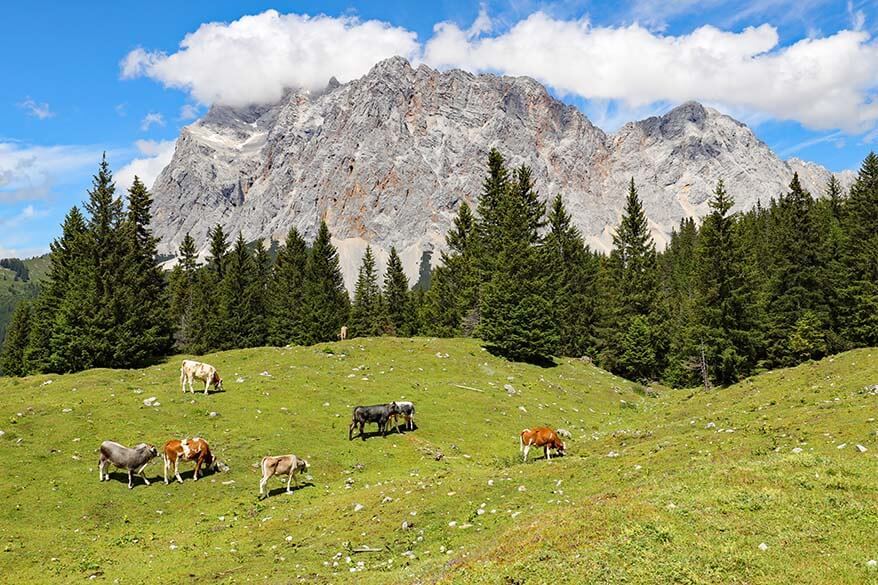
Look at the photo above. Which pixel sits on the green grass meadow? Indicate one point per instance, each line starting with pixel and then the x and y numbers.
pixel 682 487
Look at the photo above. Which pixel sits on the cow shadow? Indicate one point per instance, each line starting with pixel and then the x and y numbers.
pixel 372 434
pixel 122 477
pixel 201 392
pixel 283 489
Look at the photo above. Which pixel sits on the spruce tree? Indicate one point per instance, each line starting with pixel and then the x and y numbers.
pixel 180 284
pixel 258 295
pixel 66 255
pixel 327 300
pixel 12 355
pixel 860 257
pixel 367 310
pixel 724 324
pixel 145 327
pixel 286 293
pixel 573 275
pixel 516 315
pixel 632 282
pixel 88 328
pixel 794 284
pixel 451 304
pixel 219 248
pixel 495 189
pixel 396 297
pixel 236 301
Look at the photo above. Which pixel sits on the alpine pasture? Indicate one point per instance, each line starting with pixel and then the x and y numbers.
pixel 762 481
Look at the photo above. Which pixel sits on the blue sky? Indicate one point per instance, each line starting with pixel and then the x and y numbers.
pixel 81 78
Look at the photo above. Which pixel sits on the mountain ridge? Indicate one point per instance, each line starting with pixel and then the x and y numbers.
pixel 387 158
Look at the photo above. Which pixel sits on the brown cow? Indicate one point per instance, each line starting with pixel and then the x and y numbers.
pixel 540 437
pixel 195 449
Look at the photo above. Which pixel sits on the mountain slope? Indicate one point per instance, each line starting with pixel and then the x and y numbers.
pixel 682 487
pixel 386 159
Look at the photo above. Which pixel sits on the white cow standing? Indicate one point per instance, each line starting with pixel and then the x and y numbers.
pixel 192 370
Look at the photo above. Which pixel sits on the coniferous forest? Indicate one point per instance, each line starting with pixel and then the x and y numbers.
pixel 794 279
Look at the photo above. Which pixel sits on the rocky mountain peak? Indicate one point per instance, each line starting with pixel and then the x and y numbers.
pixel 387 159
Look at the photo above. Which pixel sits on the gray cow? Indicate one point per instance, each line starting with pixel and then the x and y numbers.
pixel 134 459
pixel 378 413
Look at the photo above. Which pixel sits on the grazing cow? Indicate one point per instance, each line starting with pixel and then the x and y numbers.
pixel 407 411
pixel 195 449
pixel 540 437
pixel 134 460
pixel 288 465
pixel 378 413
pixel 192 370
pixel 343 334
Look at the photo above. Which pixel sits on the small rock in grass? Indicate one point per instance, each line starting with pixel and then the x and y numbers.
pixel 358 507
pixel 763 546
pixel 872 563
pixel 612 454
pixel 239 379
pixel 289 538
pixel 842 446
pixel 509 389
pixel 265 374
pixel 213 414
pixel 861 449
pixel 521 488
pixel 710 425
pixel 522 409
pixel 797 450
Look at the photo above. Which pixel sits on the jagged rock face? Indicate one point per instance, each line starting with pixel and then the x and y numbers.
pixel 387 159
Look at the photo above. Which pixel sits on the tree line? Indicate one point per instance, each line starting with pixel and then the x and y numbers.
pixel 796 279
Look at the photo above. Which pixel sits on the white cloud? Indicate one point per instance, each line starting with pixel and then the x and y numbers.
pixel 28 172
pixel 188 112
pixel 156 156
pixel 823 83
pixel 37 110
pixel 253 59
pixel 27 213
pixel 121 110
pixel 151 119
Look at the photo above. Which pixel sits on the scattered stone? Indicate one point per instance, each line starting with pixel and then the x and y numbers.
pixel 861 449
pixel 612 454
pixel 149 401
pixel 239 379
pixel 797 450
pixel 521 488
pixel 173 547
pixel 358 507
pixel 46 383
pixel 510 389
pixel 265 374
pixel 2 433
pixel 441 355
pixel 453 523
pixel 842 446
pixel 710 425
pixel 386 500
pixel 66 410
pixel 213 414
pixel 522 409
pixel 289 538
pixel 872 563
pixel 763 546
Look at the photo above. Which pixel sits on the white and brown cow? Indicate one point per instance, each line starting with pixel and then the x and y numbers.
pixel 192 370
pixel 288 465
pixel 195 449
pixel 540 437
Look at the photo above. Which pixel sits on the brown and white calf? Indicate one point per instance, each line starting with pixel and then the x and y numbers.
pixel 134 460
pixel 195 449
pixel 288 465
pixel 540 437
pixel 192 370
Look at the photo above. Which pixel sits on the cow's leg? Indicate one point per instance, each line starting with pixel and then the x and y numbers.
pixel 362 426
pixel 198 465
pixel 548 455
pixel 289 479
pixel 206 385
pixel 130 478
pixel 262 483
pixel 177 470
pixel 140 473
pixel 351 430
pixel 101 465
pixel 167 464
pixel 526 450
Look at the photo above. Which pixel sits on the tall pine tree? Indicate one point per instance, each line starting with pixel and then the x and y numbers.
pixel 328 303
pixel 367 311
pixel 12 355
pixel 396 297
pixel 286 293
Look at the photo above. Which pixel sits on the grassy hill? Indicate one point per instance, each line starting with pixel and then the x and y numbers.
pixel 758 483
pixel 13 291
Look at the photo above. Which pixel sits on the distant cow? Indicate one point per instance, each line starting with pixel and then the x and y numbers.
pixel 343 334
pixel 195 449
pixel 378 413
pixel 192 370
pixel 134 460
pixel 407 411
pixel 288 465
pixel 540 437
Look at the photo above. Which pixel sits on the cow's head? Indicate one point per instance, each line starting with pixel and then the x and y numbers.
pixel 560 447
pixel 394 408
pixel 302 465
pixel 217 381
pixel 153 452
